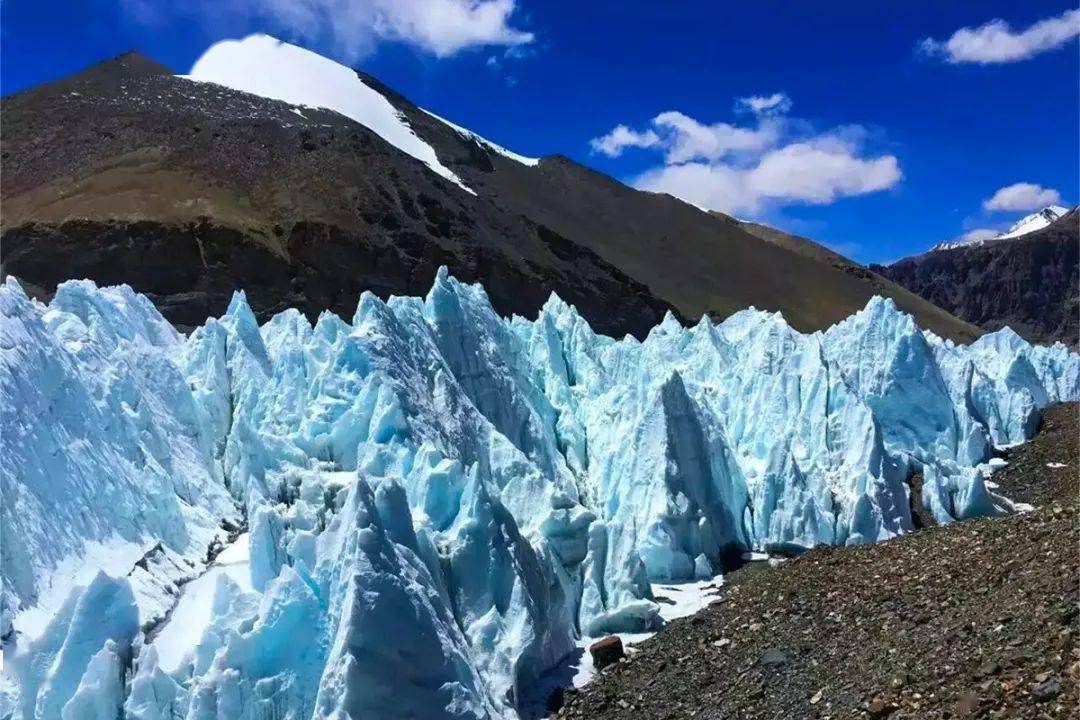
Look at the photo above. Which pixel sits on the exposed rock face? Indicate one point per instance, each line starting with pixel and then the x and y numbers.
pixel 1029 283
pixel 190 270
pixel 185 190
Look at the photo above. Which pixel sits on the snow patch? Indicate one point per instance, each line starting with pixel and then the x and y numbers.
pixel 1035 221
pixel 676 601
pixel 531 162
pixel 265 66
pixel 1026 225
pixel 114 557
pixel 194 611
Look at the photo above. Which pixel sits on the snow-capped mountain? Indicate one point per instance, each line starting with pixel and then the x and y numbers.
pixel 1036 221
pixel 438 503
pixel 1029 282
pixel 264 66
pixel 1027 224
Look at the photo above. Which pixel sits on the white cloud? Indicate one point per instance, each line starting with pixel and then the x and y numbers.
pixel 775 104
pixel 1022 196
pixel 690 140
pixel 738 169
pixel 802 173
pixel 821 171
pixel 978 235
pixel 353 28
pixel 621 138
pixel 712 187
pixel 997 42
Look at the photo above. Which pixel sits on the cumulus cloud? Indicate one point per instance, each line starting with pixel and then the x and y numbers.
pixel 775 104
pixel 996 42
pixel 353 28
pixel 801 173
pixel 688 140
pixel 1022 196
pixel 820 171
pixel 622 137
pixel 738 169
pixel 979 234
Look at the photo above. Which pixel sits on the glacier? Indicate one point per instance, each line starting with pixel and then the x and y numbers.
pixel 418 511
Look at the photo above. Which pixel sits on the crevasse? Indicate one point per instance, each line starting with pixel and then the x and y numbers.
pixel 439 502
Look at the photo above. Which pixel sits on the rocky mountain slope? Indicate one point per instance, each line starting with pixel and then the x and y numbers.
pixel 1030 283
pixel 974 620
pixel 187 190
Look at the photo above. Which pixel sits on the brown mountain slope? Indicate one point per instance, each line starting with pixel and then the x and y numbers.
pixel 187 191
pixel 184 190
pixel 930 314
pixel 1030 283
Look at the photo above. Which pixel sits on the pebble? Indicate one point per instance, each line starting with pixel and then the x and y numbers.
pixel 880 707
pixel 968 704
pixel 1046 691
pixel 774 658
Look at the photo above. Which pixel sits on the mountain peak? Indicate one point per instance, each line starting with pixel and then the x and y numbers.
pixel 1036 221
pixel 265 66
pixel 1027 224
pixel 126 65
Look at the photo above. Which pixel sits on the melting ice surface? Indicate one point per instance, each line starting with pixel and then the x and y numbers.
pixel 440 503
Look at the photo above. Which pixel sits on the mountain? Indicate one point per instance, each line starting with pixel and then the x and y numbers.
pixel 1027 224
pixel 1029 282
pixel 1022 227
pixel 422 510
pixel 1036 221
pixel 187 189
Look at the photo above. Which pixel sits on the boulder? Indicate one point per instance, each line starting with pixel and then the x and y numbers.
pixel 606 651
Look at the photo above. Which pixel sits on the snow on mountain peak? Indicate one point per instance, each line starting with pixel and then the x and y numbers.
pixel 531 162
pixel 441 502
pixel 1035 221
pixel 265 66
pixel 1027 224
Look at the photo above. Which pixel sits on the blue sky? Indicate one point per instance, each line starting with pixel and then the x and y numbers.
pixel 877 142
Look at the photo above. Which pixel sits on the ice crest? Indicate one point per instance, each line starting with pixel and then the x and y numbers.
pixel 440 502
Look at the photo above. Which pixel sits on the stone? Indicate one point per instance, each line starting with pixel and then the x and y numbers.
pixel 774 658
pixel 606 651
pixel 1046 691
pixel 968 704
pixel 880 707
pixel 556 700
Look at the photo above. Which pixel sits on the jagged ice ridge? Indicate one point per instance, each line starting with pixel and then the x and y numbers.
pixel 439 501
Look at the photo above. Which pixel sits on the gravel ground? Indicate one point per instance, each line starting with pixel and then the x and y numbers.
pixel 1033 474
pixel 977 619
